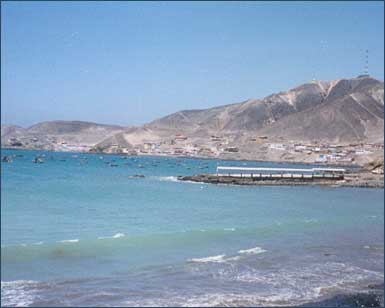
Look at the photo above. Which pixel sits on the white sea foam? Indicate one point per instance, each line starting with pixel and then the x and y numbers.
pixel 309 279
pixel 254 251
pixel 216 259
pixel 19 293
pixel 202 300
pixel 233 258
pixel 236 299
pixel 168 178
pixel 70 241
pixel 311 220
pixel 223 258
pixel 288 286
pixel 229 229
pixel 16 283
pixel 117 235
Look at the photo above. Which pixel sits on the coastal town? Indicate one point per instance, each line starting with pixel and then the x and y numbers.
pixel 221 147
pixel 218 146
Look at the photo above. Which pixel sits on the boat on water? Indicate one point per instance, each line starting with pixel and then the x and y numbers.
pixel 38 160
pixel 6 159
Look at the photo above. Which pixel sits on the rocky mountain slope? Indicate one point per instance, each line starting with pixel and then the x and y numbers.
pixel 339 111
pixel 345 110
pixel 57 135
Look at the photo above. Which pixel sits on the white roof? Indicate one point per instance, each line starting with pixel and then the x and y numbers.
pixel 281 169
pixel 330 169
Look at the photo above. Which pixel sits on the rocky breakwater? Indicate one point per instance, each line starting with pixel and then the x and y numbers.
pixel 361 178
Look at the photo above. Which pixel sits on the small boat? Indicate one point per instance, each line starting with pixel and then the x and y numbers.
pixel 38 160
pixel 136 176
pixel 6 159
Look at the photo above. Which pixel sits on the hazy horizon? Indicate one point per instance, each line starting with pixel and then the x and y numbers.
pixel 129 63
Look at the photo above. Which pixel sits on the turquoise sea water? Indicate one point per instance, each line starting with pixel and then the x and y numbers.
pixel 76 231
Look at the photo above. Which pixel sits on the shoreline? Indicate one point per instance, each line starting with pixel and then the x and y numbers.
pixel 358 177
pixel 372 296
pixel 291 162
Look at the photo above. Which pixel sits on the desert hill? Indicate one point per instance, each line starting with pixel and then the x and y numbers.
pixel 345 110
pixel 57 135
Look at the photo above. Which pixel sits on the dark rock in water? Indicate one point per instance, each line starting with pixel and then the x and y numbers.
pixel 372 299
pixel 136 176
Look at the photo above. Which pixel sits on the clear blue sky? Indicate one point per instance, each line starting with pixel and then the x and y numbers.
pixel 131 62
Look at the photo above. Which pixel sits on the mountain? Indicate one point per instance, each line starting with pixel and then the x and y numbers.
pixel 352 112
pixel 70 127
pixel 341 111
pixel 11 130
pixel 57 135
pixel 344 110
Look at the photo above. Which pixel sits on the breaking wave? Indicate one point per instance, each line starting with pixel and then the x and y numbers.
pixel 69 241
pixel 222 258
pixel 218 259
pixel 255 250
pixel 117 235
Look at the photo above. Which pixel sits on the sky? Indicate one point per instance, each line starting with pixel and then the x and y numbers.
pixel 128 63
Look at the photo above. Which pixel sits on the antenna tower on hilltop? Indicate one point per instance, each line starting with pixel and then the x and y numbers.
pixel 366 69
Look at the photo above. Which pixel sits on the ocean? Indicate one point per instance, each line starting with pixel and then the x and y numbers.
pixel 80 230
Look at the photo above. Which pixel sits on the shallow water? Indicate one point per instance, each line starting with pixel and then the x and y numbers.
pixel 78 232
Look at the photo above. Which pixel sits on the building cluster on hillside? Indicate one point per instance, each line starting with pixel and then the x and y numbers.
pixel 214 146
pixel 328 152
